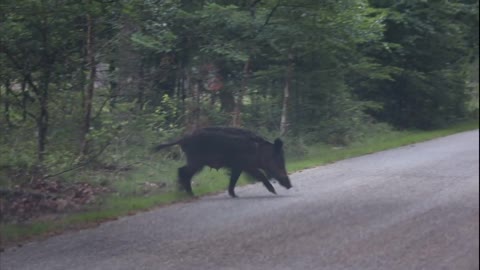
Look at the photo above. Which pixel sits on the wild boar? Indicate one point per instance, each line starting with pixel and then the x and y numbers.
pixel 238 150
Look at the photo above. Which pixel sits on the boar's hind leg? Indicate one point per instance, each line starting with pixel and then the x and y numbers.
pixel 261 177
pixel 185 175
pixel 233 181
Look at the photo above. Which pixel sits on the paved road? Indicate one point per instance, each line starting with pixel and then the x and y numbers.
pixel 414 207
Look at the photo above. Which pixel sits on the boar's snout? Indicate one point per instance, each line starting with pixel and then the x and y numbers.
pixel 285 182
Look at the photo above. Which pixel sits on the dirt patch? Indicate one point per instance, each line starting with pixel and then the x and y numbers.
pixel 42 197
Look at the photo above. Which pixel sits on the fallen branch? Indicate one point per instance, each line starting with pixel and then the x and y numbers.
pixel 80 165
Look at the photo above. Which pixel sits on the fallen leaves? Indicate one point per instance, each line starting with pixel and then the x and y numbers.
pixel 40 197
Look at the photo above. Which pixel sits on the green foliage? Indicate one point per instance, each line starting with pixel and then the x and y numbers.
pixel 354 68
pixel 350 64
pixel 431 56
pixel 134 199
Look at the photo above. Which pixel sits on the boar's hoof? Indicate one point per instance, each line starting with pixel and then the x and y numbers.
pixel 270 188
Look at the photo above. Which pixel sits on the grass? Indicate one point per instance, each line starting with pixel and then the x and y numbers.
pixel 131 196
pixel 320 154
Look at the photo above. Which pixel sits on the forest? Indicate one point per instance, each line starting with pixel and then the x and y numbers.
pixel 90 86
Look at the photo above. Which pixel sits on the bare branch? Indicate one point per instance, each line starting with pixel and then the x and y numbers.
pixel 101 108
pixel 269 16
pixel 80 165
pixel 19 103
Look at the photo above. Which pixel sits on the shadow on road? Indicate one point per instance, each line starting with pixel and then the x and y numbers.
pixel 247 197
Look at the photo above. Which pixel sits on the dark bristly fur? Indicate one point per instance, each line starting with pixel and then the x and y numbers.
pixel 239 150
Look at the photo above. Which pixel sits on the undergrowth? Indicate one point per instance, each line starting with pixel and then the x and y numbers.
pixel 151 181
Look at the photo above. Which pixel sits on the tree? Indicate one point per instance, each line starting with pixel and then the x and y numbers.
pixel 80 75
pixel 88 96
pixel 428 43
pixel 37 42
pixel 312 46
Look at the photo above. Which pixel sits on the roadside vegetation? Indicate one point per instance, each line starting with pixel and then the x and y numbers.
pixel 153 183
pixel 88 87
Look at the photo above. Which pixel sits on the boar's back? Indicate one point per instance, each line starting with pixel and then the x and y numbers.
pixel 223 147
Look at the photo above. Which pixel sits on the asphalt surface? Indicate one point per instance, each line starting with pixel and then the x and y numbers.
pixel 414 207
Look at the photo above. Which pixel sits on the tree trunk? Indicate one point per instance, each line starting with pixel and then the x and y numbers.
pixel 296 110
pixel 6 109
pixel 88 97
pixel 192 97
pixel 227 101
pixel 286 96
pixel 42 119
pixel 237 111
pixel 24 100
pixel 195 112
pixel 112 81
pixel 81 78
pixel 141 87
pixel 181 91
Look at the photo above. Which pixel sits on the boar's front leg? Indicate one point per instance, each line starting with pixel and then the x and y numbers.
pixel 256 173
pixel 235 173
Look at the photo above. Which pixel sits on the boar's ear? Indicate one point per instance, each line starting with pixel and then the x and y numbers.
pixel 277 145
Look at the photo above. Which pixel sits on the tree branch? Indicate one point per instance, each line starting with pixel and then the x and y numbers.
pixel 269 16
pixel 101 108
pixel 19 103
pixel 15 62
pixel 80 165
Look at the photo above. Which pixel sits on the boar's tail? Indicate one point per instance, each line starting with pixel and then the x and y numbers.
pixel 165 145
